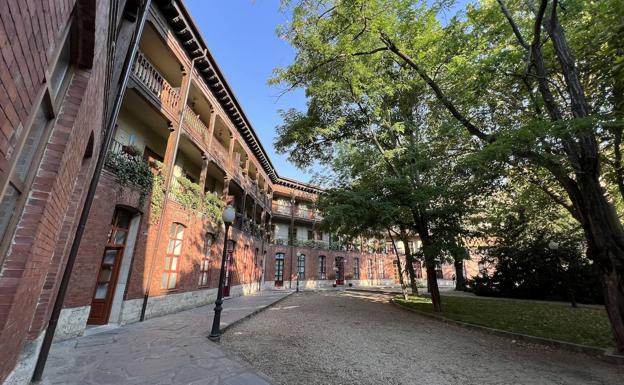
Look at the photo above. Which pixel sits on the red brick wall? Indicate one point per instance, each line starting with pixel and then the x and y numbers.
pixel 312 263
pixel 109 195
pixel 196 227
pixel 29 35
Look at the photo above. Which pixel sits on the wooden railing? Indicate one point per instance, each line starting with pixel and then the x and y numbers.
pixel 219 151
pixel 281 209
pixel 300 212
pixel 149 76
pixel 195 123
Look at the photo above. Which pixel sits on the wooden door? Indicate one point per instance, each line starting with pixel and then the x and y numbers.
pixel 340 271
pixel 108 273
pixel 279 270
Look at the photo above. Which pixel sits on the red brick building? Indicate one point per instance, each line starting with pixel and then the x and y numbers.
pixel 182 142
pixel 59 71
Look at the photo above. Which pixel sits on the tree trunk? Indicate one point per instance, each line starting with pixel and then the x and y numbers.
pixel 460 280
pixel 605 237
pixel 432 283
pixel 401 280
pixel 432 279
pixel 409 261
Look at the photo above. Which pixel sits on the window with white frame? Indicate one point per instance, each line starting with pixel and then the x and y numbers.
pixel 169 279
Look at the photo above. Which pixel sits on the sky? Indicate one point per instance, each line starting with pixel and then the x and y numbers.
pixel 241 36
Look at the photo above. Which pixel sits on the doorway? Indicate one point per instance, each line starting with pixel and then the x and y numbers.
pixel 108 273
pixel 279 269
pixel 340 270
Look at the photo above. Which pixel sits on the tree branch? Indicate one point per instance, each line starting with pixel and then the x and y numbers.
pixel 514 26
pixel 474 130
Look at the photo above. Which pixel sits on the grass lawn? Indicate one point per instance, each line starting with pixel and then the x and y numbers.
pixel 583 325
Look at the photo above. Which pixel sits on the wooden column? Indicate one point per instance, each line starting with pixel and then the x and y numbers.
pixel 243 205
pixel 211 127
pixel 171 146
pixel 253 213
pixel 246 169
pixel 231 151
pixel 203 173
pixel 226 188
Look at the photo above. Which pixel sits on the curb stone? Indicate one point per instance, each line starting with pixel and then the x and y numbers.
pixel 255 312
pixel 603 354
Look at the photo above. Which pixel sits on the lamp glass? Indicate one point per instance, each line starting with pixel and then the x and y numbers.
pixel 228 214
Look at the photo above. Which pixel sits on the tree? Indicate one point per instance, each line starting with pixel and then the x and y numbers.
pixel 538 249
pixel 380 148
pixel 505 71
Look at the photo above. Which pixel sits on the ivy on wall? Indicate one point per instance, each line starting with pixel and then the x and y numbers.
pixel 131 169
pixel 158 191
pixel 188 194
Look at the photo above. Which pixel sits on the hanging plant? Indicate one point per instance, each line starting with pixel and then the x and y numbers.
pixel 131 170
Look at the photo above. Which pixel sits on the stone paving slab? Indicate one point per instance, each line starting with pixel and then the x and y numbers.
pixel 168 350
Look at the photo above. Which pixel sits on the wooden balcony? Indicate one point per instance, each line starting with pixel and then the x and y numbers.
pixel 220 153
pixel 155 85
pixel 300 212
pixel 195 125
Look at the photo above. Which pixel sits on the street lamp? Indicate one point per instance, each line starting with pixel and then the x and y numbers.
pixel 228 216
pixel 298 256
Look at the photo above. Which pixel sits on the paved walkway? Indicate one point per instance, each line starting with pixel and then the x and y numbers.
pixel 348 337
pixel 169 350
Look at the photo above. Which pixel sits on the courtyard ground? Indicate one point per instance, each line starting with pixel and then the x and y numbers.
pixel 168 350
pixel 359 338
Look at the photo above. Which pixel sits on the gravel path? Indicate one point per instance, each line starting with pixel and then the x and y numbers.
pixel 358 338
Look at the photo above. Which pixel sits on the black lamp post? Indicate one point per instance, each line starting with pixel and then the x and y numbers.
pixel 298 256
pixel 229 214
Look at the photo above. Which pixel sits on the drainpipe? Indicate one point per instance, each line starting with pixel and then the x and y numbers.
pixel 168 187
pixel 86 209
pixel 293 237
pixel 262 254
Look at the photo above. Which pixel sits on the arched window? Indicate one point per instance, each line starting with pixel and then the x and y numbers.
pixel 301 266
pixel 322 267
pixel 169 279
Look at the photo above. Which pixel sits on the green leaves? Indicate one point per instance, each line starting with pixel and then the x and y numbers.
pixel 131 170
